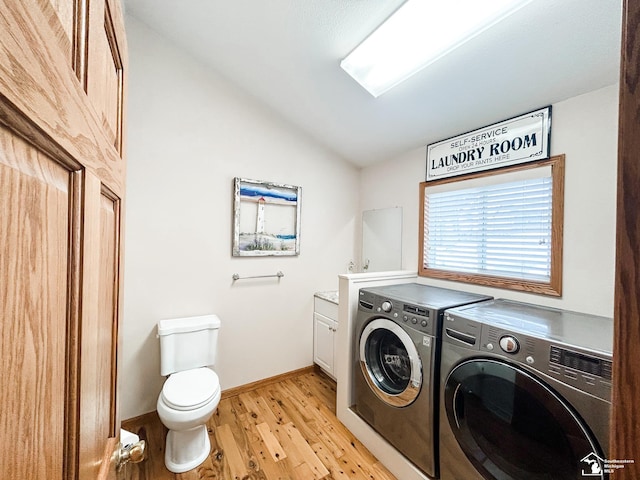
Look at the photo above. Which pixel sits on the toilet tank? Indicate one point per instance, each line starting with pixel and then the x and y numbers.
pixel 187 343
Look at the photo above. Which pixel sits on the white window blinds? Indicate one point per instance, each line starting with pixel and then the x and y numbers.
pixel 502 230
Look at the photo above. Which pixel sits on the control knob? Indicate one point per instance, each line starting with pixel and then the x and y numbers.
pixel 386 306
pixel 509 344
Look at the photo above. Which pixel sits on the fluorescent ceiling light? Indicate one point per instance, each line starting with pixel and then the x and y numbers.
pixel 419 33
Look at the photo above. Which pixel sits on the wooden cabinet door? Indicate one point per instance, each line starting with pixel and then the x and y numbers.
pixel 61 210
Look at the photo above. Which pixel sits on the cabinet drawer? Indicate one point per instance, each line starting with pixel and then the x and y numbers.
pixel 326 308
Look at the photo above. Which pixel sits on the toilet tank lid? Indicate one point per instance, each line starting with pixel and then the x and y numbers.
pixel 188 324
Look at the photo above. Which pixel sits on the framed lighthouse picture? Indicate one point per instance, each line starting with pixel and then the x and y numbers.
pixel 266 218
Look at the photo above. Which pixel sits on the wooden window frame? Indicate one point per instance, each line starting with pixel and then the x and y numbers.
pixel 554 286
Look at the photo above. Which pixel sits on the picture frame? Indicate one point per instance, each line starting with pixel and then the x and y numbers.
pixel 266 218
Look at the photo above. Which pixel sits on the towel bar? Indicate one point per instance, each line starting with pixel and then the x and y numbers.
pixel 237 276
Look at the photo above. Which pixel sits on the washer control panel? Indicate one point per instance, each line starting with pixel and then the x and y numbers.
pixel 563 360
pixel 415 316
pixel 586 370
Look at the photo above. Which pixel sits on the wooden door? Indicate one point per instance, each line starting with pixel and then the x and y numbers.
pixel 62 65
pixel 625 429
pixel 38 215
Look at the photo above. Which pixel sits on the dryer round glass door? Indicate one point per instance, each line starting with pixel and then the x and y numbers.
pixel 511 425
pixel 390 363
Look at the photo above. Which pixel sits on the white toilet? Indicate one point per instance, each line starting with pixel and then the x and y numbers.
pixel 191 394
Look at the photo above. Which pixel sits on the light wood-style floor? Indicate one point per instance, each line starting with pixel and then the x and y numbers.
pixel 283 430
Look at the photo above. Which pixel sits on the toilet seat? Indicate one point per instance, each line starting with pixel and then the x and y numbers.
pixel 190 389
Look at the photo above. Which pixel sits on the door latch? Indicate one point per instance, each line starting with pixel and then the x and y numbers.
pixel 134 453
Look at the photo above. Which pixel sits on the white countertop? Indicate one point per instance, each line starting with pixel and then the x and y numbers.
pixel 330 296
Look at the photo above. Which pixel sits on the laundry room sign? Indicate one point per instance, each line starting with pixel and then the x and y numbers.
pixel 521 139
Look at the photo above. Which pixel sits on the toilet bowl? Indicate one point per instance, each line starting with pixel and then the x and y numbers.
pixel 186 403
pixel 191 393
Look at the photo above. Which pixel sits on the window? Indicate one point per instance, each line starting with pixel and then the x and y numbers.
pixel 499 228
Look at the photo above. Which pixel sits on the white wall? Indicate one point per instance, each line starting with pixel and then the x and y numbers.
pixel 585 129
pixel 189 134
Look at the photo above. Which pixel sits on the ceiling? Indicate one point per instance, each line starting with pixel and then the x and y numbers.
pixel 286 54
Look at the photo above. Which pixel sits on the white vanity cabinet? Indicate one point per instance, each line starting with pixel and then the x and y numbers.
pixel 325 325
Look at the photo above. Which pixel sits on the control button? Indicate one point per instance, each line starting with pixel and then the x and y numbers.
pixel 405 318
pixel 509 344
pixel 414 320
pixel 395 314
pixel 530 360
pixel 424 323
pixel 489 346
pixel 386 306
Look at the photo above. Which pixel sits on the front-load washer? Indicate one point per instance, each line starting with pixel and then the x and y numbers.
pixel 395 369
pixel 525 393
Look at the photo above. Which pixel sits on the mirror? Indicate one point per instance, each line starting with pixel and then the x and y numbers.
pixel 382 239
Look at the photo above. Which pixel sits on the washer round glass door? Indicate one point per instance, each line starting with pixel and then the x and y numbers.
pixel 390 363
pixel 511 426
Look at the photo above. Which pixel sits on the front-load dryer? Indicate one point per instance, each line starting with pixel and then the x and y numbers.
pixel 395 369
pixel 525 393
